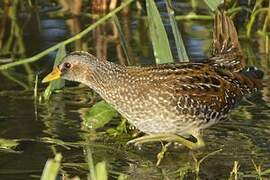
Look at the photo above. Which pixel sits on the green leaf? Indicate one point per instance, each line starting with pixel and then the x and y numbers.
pixel 181 50
pixel 51 168
pixel 98 115
pixel 213 4
pixel 158 34
pixel 59 83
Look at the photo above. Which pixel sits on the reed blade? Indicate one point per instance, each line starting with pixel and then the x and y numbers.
pixel 180 46
pixel 160 42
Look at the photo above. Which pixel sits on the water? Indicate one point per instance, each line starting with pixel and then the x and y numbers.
pixel 243 138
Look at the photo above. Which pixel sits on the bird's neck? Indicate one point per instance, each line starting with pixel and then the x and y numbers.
pixel 107 79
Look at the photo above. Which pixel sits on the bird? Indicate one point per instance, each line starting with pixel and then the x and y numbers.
pixel 171 102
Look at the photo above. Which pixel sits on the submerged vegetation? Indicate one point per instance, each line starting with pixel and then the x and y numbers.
pixel 157 35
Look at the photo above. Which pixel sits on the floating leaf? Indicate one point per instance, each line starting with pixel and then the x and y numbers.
pixel 99 115
pixel 7 143
pixel 213 4
pixel 59 83
pixel 158 34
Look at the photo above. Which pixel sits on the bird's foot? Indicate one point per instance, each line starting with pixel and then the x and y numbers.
pixel 169 138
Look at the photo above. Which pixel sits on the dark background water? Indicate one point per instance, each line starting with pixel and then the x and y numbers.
pixel 243 138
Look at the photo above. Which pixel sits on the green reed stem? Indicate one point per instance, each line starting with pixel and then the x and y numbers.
pixel 123 40
pixel 252 20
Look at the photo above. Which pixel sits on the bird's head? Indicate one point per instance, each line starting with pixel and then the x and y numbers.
pixel 76 66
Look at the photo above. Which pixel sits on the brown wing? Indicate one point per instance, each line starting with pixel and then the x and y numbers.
pixel 200 83
pixel 196 85
pixel 206 90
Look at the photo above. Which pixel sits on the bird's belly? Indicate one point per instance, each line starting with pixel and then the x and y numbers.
pixel 150 121
pixel 162 121
pixel 158 114
pixel 181 125
pixel 153 124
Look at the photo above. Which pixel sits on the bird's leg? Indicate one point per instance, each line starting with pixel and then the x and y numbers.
pixel 169 138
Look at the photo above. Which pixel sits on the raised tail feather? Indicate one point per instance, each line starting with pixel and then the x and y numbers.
pixel 227 51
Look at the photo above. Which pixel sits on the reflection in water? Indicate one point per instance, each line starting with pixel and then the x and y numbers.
pixel 11 32
pixel 72 6
pixel 245 136
pixel 107 42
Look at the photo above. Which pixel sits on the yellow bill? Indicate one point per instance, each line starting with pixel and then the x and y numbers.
pixel 55 74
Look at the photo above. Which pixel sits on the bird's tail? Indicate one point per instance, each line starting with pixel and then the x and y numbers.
pixel 226 51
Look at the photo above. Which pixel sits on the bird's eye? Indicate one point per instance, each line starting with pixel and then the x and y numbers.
pixel 67 65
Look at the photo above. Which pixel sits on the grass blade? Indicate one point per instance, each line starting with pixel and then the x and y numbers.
pixel 158 34
pixel 101 171
pixel 90 162
pixel 98 171
pixel 51 168
pixel 213 4
pixel 181 50
pixel 123 41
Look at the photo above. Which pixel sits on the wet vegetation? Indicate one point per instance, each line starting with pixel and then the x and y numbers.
pixel 47 131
